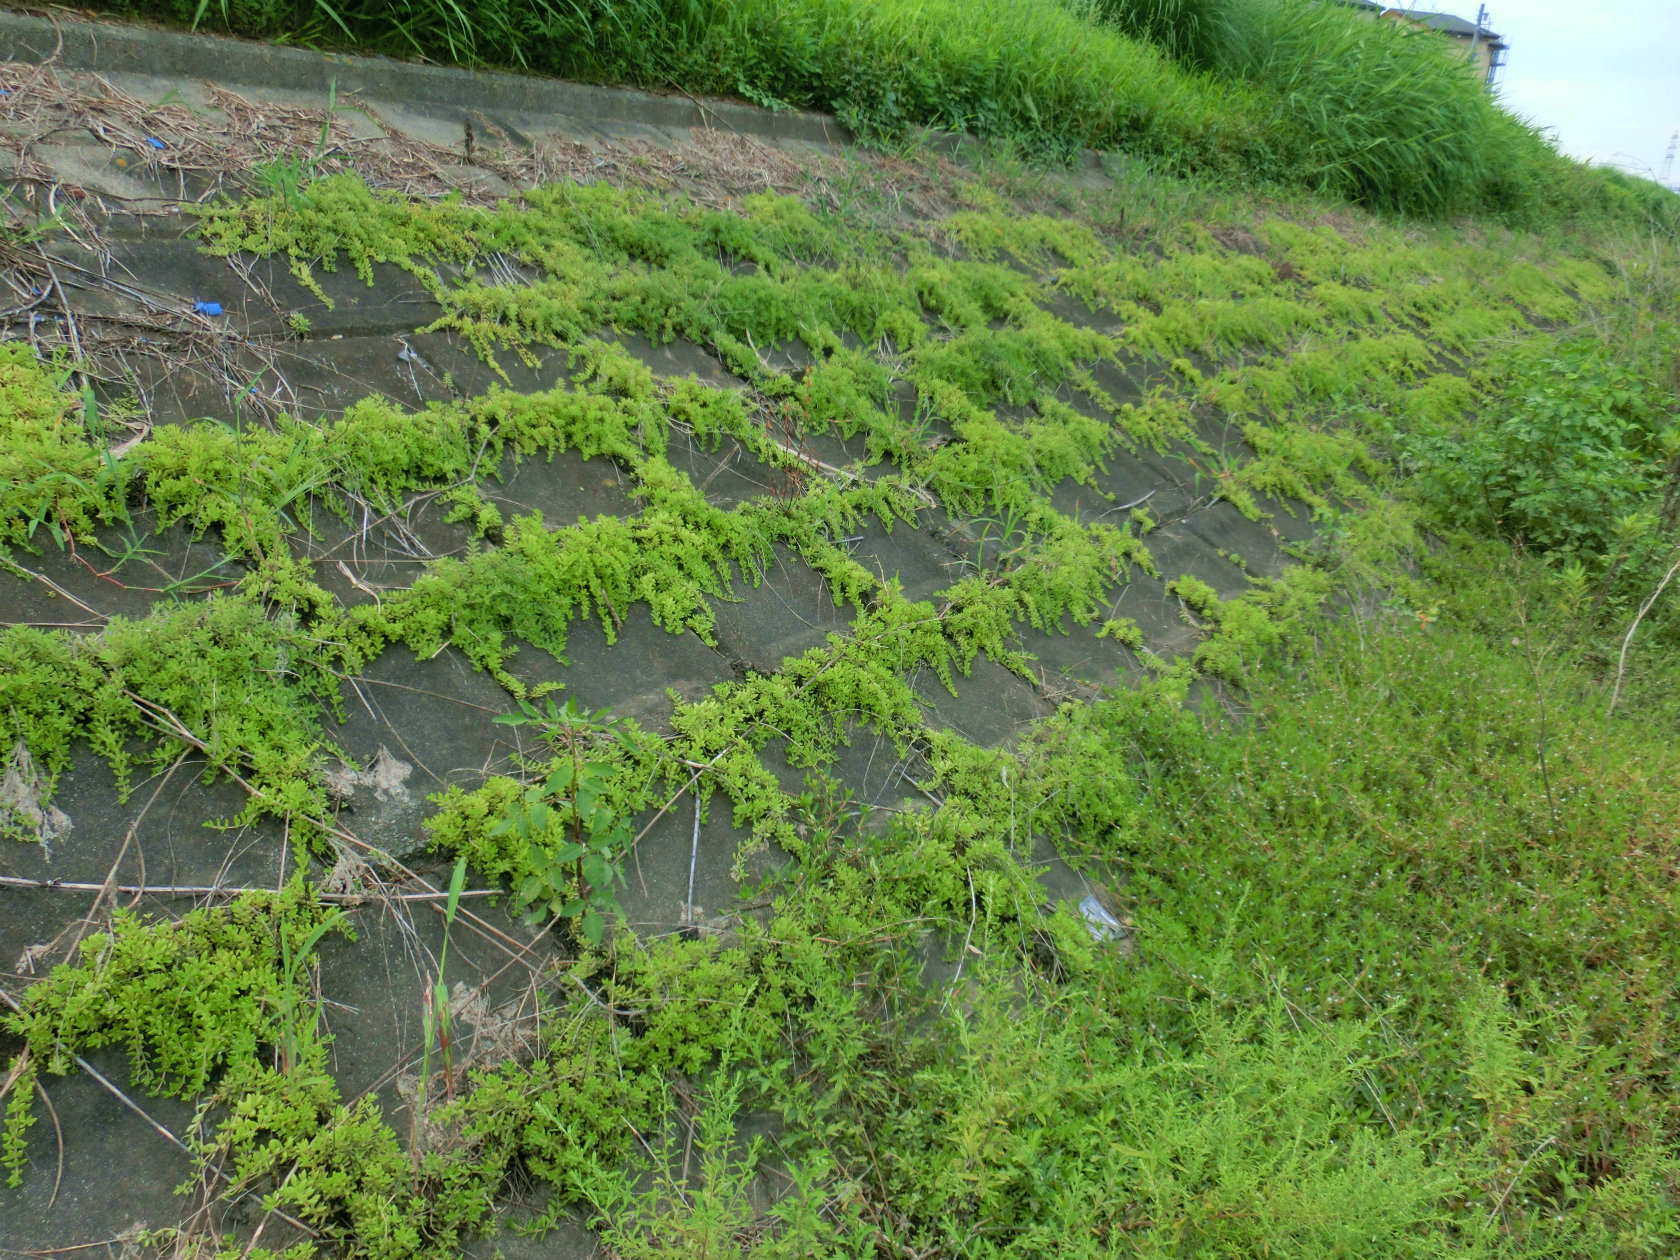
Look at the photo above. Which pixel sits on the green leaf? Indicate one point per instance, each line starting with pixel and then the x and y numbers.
pixel 594 926
pixel 457 882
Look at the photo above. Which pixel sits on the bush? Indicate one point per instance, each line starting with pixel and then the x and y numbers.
pixel 1576 455
pixel 1393 119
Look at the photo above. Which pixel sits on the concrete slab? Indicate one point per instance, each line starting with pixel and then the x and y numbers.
pixel 435 716
pixel 632 676
pixel 991 705
pixel 563 486
pixel 361 559
pixel 728 475
pixel 922 564
pixel 125 573
pixel 113 47
pixel 789 612
pixel 119 1175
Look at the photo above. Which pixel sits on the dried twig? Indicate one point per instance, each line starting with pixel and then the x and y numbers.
pixel 1627 641
pixel 58 1136
pixel 222 890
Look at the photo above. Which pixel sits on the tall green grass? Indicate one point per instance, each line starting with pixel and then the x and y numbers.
pixel 1395 120
pixel 1282 93
pixel 1191 30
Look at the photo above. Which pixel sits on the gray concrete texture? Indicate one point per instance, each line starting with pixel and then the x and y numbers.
pixel 427 724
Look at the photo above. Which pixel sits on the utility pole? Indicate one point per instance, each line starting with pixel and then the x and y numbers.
pixel 1476 37
pixel 1668 158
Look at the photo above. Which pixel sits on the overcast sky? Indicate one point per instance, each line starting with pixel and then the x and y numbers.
pixel 1605 75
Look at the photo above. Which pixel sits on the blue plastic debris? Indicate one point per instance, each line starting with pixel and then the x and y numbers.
pixel 207 308
pixel 154 142
pixel 1102 925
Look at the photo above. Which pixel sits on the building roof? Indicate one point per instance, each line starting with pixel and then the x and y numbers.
pixel 1448 24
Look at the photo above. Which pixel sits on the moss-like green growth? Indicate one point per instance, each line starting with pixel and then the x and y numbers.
pixel 53 462
pixel 212 995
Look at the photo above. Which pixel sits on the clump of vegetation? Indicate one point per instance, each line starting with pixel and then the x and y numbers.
pixel 53 461
pixel 574 839
pixel 219 994
pixel 1193 31
pixel 219 676
pixel 1575 454
pixel 1272 1067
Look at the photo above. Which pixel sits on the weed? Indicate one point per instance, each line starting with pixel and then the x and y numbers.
pixel 287 177
pixel 297 1031
pixel 598 835
pixel 437 1017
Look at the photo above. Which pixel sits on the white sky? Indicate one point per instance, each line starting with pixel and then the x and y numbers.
pixel 1605 74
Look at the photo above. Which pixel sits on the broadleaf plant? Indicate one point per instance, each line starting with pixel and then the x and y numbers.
pixel 576 839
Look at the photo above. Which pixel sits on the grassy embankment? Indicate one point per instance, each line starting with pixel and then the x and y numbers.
pixel 1249 92
pixel 1406 974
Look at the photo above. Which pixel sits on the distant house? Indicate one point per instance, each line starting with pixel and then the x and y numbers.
pixel 1484 50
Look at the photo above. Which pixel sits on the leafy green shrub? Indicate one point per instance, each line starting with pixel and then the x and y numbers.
pixel 1580 439
pixel 575 839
